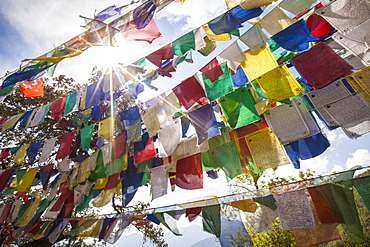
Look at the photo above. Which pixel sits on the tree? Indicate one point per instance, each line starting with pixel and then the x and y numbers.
pixel 56 88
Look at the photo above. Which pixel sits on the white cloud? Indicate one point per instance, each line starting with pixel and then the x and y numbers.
pixel 360 157
pixel 335 136
pixel 192 13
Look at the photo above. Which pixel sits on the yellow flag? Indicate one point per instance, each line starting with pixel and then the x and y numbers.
pixel 212 36
pixel 360 81
pixel 258 63
pixel 266 150
pixel 30 212
pixel 21 154
pixel 104 198
pixel 26 181
pixel 83 171
pixel 246 205
pixel 279 84
pixel 106 128
pixel 89 228
pixel 58 56
pixel 11 121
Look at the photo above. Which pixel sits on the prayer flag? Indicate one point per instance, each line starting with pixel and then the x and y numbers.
pixel 238 108
pixel 65 145
pixel 189 92
pixel 33 88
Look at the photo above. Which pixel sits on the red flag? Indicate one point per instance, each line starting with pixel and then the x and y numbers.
pixel 56 109
pixel 161 54
pixel 189 174
pixel 33 88
pixel 65 145
pixel 147 153
pixel 189 91
pixel 148 33
pixel 212 70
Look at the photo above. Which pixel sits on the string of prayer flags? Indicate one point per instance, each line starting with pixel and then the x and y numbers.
pixel 107 127
pixel 189 174
pixel 148 150
pixel 295 38
pixel 232 19
pixel 65 145
pixel 29 74
pixel 266 150
pixel 330 102
pixel 362 184
pixel 307 148
pixel 25 119
pixel 4 153
pixel 40 114
pixel 321 233
pixel 151 121
pixel 238 108
pixel 189 92
pixel 168 222
pixel 220 87
pixel 33 88
pixel 279 84
pixel 11 122
pixel 130 116
pixel 320 65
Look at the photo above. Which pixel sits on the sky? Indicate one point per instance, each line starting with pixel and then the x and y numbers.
pixel 31 28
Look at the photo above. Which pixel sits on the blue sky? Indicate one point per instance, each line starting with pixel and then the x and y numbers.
pixel 31 28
